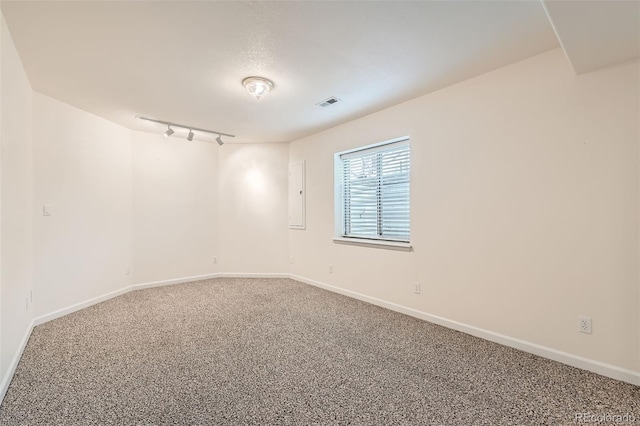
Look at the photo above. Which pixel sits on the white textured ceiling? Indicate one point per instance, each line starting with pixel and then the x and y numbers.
pixel 184 61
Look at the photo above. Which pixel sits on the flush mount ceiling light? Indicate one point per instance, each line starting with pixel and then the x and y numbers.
pixel 190 135
pixel 257 86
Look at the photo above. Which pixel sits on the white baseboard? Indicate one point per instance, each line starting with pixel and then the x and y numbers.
pixel 255 275
pixel 601 368
pixel 6 380
pixel 162 283
pixel 77 306
pixel 597 367
pixel 85 304
pixel 208 277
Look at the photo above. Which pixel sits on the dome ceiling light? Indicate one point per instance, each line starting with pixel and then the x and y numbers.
pixel 257 86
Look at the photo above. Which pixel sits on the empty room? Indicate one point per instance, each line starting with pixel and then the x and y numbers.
pixel 319 212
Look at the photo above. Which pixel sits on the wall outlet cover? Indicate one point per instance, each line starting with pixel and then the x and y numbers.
pixel 584 324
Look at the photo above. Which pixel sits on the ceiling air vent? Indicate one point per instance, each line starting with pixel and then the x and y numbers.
pixel 330 101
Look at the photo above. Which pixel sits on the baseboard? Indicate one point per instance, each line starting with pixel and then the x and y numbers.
pixel 597 367
pixel 208 277
pixel 85 304
pixel 80 305
pixel 254 275
pixel 6 380
pixel 162 283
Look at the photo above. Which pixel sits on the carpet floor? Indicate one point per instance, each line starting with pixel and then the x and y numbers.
pixel 275 351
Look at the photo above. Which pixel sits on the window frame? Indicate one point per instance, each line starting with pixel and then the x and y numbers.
pixel 339 202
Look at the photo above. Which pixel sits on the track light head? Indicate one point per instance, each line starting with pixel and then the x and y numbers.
pixel 190 135
pixel 219 140
pixel 169 132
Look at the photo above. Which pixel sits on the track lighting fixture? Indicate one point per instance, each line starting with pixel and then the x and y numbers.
pixel 190 135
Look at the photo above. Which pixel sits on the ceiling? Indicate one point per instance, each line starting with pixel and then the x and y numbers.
pixel 183 61
pixel 595 34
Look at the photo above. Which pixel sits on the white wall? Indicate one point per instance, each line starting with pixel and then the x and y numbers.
pixel 525 193
pixel 175 185
pixel 253 207
pixel 196 201
pixel 524 207
pixel 83 170
pixel 16 201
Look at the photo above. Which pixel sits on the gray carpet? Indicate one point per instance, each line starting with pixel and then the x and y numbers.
pixel 263 352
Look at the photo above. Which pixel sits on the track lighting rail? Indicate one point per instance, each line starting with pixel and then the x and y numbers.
pixel 190 128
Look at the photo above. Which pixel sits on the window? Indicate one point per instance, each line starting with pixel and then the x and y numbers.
pixel 373 192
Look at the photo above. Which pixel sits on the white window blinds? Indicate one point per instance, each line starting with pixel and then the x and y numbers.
pixel 375 183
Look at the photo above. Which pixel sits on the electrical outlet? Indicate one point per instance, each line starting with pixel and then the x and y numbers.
pixel 331 269
pixel 416 288
pixel 584 324
pixel 215 259
pixel 291 259
pixel 127 270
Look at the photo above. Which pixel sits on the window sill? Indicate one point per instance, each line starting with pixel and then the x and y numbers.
pixel 389 245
